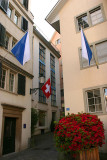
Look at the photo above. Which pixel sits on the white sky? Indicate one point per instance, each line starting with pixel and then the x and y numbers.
pixel 40 9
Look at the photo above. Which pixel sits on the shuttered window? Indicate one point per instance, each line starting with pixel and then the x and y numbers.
pixel 21 84
pixel 24 24
pixel 4 5
pixel 0 71
pixel 2 35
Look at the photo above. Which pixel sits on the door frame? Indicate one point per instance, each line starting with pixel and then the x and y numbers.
pixel 13 112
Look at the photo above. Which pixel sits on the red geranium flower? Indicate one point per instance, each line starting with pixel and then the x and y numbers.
pixel 77 132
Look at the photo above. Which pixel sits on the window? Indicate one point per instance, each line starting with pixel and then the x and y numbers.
pixel 84 62
pixel 9 12
pixel 2 35
pixel 57 41
pixel 94 100
pixel 7 42
pixel 53 116
pixel 25 3
pixel 13 42
pixel 90 18
pixel 42 115
pixel 83 21
pixel 42 97
pixel 16 19
pixel 24 26
pixel 105 97
pixel 21 84
pixel 3 79
pixel 53 97
pixel 53 81
pixel 102 51
pixel 52 63
pixel 99 51
pixel 41 69
pixel 11 82
pixel 62 93
pixel 96 16
pixel 42 53
pixel 4 5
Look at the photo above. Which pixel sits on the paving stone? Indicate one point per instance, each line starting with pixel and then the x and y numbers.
pixel 44 149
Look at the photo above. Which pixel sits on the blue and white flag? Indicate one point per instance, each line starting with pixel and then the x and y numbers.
pixel 86 51
pixel 22 49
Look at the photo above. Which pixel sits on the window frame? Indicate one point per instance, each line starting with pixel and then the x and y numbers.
pixel 16 15
pixel 94 54
pixel 53 80
pixel 42 67
pixel 11 12
pixel 14 81
pixel 5 82
pixel 88 13
pixel 14 41
pixel 7 46
pixel 4 6
pixel 24 27
pixel 104 107
pixel 25 4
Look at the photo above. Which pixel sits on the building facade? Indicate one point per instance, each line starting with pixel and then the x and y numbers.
pixel 45 63
pixel 16 80
pixel 56 40
pixel 85 87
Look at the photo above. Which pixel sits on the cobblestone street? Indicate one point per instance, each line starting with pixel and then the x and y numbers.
pixel 44 150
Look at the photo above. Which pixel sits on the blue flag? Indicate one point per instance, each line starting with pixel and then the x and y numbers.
pixel 86 51
pixel 22 49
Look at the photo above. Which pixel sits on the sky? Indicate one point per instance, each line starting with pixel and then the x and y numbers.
pixel 40 9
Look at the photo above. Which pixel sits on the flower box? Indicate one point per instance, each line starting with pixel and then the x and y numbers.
pixel 79 135
pixel 88 154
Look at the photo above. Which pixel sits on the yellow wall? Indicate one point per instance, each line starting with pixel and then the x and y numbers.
pixel 75 80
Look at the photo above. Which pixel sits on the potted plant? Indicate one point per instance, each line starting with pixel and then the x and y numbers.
pixel 79 135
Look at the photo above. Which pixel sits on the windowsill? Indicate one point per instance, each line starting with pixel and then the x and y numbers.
pixel 42 127
pixel 98 113
pixel 14 23
pixel 8 91
pixel 54 106
pixel 43 103
pixel 81 68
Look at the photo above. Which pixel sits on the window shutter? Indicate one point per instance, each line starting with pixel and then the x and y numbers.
pixel 25 3
pixel 0 71
pixel 21 84
pixel 4 5
pixel 24 24
pixel 2 35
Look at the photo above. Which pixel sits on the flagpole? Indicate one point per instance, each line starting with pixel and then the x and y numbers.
pixel 96 60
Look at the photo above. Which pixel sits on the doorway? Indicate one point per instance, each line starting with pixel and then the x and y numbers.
pixel 9 135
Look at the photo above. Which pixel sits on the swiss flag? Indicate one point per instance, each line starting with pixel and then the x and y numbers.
pixel 46 88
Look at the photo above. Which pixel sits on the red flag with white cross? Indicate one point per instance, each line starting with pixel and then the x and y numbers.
pixel 46 88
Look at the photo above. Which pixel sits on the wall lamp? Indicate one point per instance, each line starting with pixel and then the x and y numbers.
pixel 41 81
